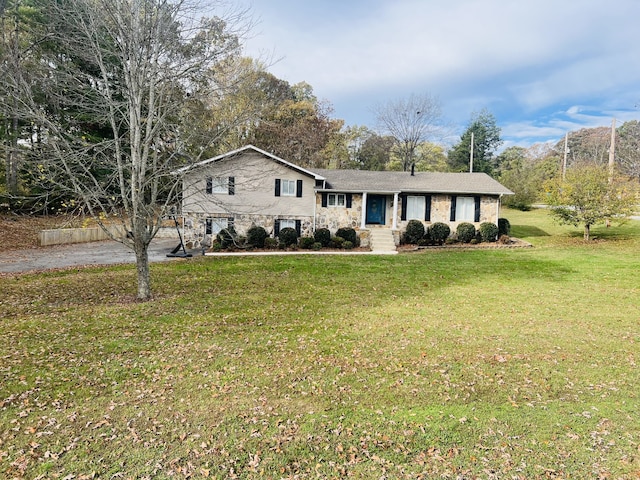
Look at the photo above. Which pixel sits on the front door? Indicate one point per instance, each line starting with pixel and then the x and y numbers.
pixel 376 207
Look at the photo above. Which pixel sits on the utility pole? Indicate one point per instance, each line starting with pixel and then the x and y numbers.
pixel 471 155
pixel 564 160
pixel 612 150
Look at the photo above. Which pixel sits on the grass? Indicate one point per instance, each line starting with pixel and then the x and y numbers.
pixel 449 364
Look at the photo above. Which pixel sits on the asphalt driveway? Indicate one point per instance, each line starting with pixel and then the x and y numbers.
pixel 107 252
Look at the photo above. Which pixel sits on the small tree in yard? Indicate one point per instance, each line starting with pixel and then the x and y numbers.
pixel 589 195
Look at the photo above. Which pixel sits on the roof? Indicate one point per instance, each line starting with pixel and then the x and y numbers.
pixel 242 150
pixel 391 182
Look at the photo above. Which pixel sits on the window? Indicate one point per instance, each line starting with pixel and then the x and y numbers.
pixel 415 207
pixel 465 209
pixel 288 188
pixel 287 224
pixel 336 200
pixel 214 225
pixel 221 185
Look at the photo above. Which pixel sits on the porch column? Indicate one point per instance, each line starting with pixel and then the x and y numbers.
pixel 395 211
pixel 363 220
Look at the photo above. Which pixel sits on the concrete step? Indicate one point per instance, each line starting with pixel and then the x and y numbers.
pixel 382 240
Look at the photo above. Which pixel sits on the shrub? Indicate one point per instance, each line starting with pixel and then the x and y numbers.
pixel 347 245
pixel 256 236
pixel 504 239
pixel 317 246
pixel 348 234
pixel 465 232
pixel 288 236
pixel 336 242
pixel 306 243
pixel 439 232
pixel 322 236
pixel 227 237
pixel 270 243
pixel 504 227
pixel 488 232
pixel 414 232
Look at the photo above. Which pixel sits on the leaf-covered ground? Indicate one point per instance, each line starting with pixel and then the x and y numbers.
pixel 512 364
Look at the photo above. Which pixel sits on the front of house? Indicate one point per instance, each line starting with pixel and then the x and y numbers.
pixel 250 186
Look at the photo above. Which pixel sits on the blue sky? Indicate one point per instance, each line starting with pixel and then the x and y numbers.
pixel 542 67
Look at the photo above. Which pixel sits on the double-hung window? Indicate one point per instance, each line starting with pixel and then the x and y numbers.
pixel 221 185
pixel 336 200
pixel 288 188
pixel 214 225
pixel 465 209
pixel 415 207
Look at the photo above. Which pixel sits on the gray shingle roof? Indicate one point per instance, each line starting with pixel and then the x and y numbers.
pixel 424 182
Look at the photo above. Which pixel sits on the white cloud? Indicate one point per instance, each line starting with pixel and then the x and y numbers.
pixel 520 58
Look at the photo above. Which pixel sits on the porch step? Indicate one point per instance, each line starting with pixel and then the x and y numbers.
pixel 382 240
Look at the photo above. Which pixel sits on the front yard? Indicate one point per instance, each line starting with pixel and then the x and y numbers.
pixel 501 363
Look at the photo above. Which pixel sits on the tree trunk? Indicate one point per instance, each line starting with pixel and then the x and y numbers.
pixel 587 229
pixel 142 266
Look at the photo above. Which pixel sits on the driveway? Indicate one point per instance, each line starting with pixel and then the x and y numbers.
pixel 107 252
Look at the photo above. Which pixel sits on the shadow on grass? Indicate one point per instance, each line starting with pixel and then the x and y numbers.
pixel 528 231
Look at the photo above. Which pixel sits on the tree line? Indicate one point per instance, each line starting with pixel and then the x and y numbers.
pixel 102 101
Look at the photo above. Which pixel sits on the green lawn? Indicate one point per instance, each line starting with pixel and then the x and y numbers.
pixel 505 363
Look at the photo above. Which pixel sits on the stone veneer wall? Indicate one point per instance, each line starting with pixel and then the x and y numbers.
pixel 195 226
pixel 441 212
pixel 334 218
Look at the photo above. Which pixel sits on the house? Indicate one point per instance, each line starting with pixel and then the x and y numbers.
pixel 250 186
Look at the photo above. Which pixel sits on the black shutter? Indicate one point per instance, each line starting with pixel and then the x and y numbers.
pixel 277 187
pixel 324 199
pixel 299 188
pixel 349 200
pixel 209 227
pixel 209 185
pixel 276 228
pixel 230 222
pixel 403 202
pixel 299 227
pixel 427 208
pixel 453 208
pixel 232 185
pixel 476 216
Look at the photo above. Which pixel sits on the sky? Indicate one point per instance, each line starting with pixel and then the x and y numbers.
pixel 541 67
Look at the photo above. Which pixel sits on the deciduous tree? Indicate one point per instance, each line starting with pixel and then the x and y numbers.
pixel 587 196
pixel 126 66
pixel 410 121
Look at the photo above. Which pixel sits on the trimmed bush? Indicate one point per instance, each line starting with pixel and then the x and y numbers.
pixel 227 237
pixel 336 242
pixel 347 245
pixel 414 232
pixel 465 232
pixel 439 232
pixel 270 243
pixel 317 246
pixel 306 243
pixel 504 227
pixel 488 232
pixel 288 236
pixel 256 236
pixel 322 236
pixel 348 234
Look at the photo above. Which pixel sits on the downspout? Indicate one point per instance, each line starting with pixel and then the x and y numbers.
pixel 315 206
pixel 498 207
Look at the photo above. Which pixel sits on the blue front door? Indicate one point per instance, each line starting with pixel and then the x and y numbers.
pixel 376 206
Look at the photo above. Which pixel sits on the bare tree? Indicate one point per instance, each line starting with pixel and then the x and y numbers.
pixel 119 77
pixel 410 122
